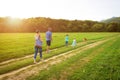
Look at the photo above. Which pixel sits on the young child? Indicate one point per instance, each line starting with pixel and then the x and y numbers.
pixel 66 40
pixel 74 43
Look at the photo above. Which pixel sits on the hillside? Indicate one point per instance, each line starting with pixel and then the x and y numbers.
pixel 113 19
pixel 58 25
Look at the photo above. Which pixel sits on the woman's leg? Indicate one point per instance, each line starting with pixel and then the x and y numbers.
pixel 35 54
pixel 40 51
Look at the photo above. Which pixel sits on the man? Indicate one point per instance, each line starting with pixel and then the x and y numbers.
pixel 48 39
pixel 38 45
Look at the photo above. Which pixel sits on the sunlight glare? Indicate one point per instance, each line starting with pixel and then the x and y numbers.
pixel 11 21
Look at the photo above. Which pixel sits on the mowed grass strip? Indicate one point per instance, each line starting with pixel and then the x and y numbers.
pixel 15 45
pixel 29 61
pixel 105 66
pixel 64 70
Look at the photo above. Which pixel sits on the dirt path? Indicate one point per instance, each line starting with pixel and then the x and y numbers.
pixel 23 73
pixel 29 56
pixel 82 61
pixel 17 59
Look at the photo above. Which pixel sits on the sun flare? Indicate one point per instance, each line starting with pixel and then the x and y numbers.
pixel 13 21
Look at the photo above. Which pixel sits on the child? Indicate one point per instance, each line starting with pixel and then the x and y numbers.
pixel 66 40
pixel 74 43
pixel 38 46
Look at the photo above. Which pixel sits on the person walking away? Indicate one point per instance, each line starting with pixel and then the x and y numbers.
pixel 66 39
pixel 74 43
pixel 48 39
pixel 38 45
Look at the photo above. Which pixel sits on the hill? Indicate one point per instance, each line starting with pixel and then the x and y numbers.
pixel 58 25
pixel 113 19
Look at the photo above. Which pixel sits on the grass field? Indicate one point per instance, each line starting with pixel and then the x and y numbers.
pixel 19 45
pixel 99 63
pixel 22 44
pixel 105 66
pixel 25 62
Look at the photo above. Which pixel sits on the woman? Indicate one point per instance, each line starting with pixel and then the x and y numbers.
pixel 38 45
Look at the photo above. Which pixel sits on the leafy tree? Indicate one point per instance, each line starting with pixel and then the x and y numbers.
pixel 98 27
pixel 57 25
pixel 112 27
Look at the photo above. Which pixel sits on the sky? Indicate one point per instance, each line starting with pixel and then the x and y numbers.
pixel 61 9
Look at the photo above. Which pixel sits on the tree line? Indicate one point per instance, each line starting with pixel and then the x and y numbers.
pixel 58 25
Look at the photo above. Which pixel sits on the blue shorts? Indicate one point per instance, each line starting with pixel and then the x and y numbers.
pixel 48 42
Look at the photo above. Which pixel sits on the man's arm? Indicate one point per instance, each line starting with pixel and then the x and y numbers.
pixel 51 37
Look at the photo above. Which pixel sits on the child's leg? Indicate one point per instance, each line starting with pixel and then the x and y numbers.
pixel 66 43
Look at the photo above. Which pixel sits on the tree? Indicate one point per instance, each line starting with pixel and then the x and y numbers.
pixel 85 27
pixel 98 27
pixel 112 27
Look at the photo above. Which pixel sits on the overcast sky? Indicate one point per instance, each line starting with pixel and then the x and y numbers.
pixel 61 9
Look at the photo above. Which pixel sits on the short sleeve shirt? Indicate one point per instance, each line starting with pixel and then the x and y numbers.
pixel 66 38
pixel 48 35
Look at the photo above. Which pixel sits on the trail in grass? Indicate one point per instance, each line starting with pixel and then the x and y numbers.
pixel 34 69
pixel 62 70
pixel 28 56
pixel 105 66
pixel 22 44
pixel 29 61
pixel 81 61
pixel 17 59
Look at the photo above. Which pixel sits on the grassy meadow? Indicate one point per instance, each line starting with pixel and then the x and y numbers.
pixel 91 63
pixel 99 63
pixel 15 45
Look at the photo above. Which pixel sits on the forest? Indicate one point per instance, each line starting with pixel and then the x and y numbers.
pixel 8 24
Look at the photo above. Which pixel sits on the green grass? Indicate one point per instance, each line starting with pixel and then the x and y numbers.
pixel 103 64
pixel 25 62
pixel 15 45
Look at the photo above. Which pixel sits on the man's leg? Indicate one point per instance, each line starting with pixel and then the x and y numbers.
pixel 48 46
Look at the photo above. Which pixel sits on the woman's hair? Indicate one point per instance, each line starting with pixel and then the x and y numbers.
pixel 39 37
pixel 37 31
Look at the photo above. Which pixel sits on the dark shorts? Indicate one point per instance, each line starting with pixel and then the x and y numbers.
pixel 66 42
pixel 48 42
